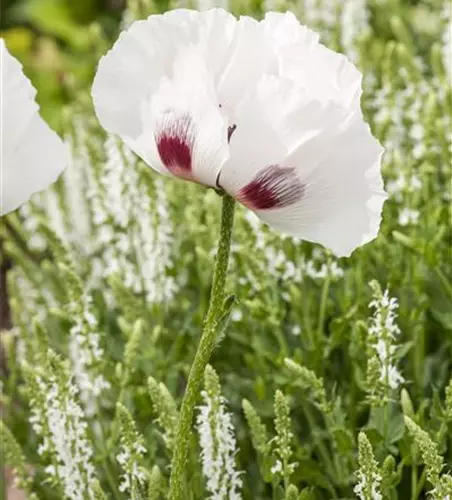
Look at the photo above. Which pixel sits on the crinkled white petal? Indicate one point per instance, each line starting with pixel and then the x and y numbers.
pixel 335 159
pixel 132 70
pixel 343 195
pixel 250 56
pixel 185 107
pixel 32 155
pixel 285 30
pixel 310 65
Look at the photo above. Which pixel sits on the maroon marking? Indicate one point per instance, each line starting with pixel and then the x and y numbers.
pixel 273 187
pixel 175 139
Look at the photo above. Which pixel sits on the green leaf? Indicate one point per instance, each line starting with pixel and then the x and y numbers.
pixel 394 428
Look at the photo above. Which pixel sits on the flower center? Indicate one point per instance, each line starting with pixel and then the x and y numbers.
pixel 231 130
pixel 274 186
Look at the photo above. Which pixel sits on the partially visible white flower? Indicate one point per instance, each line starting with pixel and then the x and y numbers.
pixel 296 330
pixel 408 216
pixel 236 315
pixel 266 113
pixel 277 467
pixel 32 155
pixel 395 379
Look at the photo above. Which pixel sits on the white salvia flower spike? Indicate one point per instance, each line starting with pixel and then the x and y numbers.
pixel 261 110
pixel 218 442
pixel 368 474
pixel 32 156
pixel 383 333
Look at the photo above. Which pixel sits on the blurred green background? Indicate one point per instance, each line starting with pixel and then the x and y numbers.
pixel 58 43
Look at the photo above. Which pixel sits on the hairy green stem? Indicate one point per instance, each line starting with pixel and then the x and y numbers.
pixel 204 351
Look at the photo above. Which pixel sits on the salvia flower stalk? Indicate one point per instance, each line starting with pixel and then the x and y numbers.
pixel 217 441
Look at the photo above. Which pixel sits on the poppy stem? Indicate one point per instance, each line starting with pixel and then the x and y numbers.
pixel 204 351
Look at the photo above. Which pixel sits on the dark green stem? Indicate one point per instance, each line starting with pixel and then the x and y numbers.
pixel 321 447
pixel 420 485
pixel 204 351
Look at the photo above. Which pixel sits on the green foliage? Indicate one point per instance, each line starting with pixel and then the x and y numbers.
pixel 132 348
pixel 111 270
pixel 155 485
pixel 131 305
pixel 98 493
pixel 292 493
pixel 309 381
pixel 284 435
pixel 440 481
pixel 14 457
pixel 165 408
pixel 258 431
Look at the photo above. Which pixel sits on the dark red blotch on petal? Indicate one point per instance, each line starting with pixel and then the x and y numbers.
pixel 273 187
pixel 175 138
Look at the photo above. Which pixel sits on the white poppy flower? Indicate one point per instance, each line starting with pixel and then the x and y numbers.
pixel 259 109
pixel 32 156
